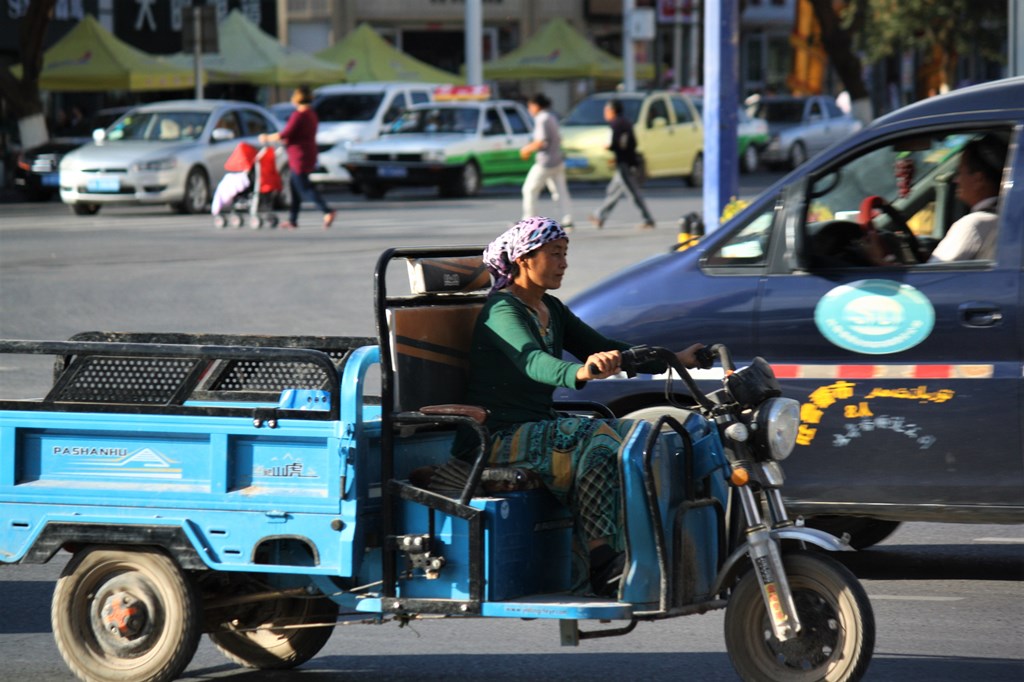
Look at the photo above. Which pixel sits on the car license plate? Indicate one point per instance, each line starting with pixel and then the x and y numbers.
pixel 50 179
pixel 575 162
pixel 103 185
pixel 392 172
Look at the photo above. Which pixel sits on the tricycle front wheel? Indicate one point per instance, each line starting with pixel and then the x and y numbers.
pixel 277 634
pixel 837 636
pixel 125 616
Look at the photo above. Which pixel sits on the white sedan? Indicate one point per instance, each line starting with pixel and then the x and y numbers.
pixel 162 153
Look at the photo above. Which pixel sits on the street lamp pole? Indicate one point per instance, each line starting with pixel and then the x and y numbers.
pixel 721 104
pixel 628 53
pixel 474 42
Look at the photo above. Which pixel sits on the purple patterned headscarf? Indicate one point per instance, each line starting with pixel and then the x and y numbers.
pixel 517 241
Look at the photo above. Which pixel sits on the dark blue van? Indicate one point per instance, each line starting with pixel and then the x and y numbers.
pixel 909 369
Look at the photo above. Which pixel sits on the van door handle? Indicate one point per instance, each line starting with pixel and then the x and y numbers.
pixel 974 314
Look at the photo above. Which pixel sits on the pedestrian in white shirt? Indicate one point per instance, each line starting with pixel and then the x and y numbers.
pixel 548 168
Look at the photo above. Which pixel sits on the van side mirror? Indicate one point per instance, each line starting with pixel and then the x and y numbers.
pixel 659 122
pixel 222 135
pixel 99 135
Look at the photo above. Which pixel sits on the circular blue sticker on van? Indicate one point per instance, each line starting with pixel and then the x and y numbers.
pixel 875 316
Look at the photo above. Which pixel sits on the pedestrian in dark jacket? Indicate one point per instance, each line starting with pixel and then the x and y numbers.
pixel 625 179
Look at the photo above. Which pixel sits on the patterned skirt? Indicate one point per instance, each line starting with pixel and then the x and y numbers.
pixel 577 459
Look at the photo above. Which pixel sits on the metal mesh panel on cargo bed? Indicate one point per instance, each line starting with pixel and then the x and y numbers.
pixel 162 381
pixel 263 375
pixel 150 381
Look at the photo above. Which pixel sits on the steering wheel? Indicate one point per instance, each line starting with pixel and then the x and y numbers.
pixel 912 254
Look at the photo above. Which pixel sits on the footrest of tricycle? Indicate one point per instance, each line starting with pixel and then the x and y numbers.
pixel 558 606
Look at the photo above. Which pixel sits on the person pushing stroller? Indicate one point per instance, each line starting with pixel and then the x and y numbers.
pixel 299 135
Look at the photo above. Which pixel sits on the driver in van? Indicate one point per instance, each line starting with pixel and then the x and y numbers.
pixel 977 184
pixel 515 365
pixel 973 236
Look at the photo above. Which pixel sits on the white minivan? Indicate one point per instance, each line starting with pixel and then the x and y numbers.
pixel 356 112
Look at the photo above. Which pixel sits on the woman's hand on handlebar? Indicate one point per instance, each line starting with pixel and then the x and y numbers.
pixel 600 366
pixel 688 356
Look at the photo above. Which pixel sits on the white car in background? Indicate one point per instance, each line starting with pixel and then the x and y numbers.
pixel 163 153
pixel 350 113
pixel 800 127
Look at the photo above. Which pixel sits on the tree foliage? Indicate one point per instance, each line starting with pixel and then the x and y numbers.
pixel 22 95
pixel 883 28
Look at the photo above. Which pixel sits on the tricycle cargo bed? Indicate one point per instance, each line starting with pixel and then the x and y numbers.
pixel 224 446
pixel 190 373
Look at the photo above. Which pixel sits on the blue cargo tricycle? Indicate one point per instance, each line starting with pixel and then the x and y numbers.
pixel 262 489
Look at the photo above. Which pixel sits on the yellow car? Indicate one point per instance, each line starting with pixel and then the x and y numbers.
pixel 669 136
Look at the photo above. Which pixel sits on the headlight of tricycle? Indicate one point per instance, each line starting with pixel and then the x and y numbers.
pixel 777 421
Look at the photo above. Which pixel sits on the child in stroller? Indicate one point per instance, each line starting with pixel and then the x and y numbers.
pixel 245 194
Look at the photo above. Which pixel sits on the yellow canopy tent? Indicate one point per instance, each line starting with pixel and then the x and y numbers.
pixel 366 56
pixel 247 54
pixel 91 59
pixel 559 51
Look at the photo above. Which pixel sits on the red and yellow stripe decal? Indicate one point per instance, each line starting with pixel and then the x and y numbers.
pixel 883 371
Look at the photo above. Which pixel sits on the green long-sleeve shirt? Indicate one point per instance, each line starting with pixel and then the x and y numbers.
pixel 513 373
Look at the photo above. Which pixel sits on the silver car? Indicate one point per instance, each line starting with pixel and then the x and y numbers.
pixel 162 153
pixel 800 127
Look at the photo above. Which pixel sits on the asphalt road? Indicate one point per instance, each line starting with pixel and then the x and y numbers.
pixel 948 599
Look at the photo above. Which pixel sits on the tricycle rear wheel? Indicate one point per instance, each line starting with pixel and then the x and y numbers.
pixel 255 638
pixel 837 637
pixel 125 616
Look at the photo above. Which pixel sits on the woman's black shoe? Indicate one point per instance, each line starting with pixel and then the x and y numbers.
pixel 606 569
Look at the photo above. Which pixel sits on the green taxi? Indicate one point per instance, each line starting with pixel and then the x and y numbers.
pixel 457 147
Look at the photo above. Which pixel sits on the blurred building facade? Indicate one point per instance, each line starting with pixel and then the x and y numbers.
pixel 778 52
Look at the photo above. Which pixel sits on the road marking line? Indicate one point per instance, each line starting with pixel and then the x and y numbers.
pixel 1008 541
pixel 897 597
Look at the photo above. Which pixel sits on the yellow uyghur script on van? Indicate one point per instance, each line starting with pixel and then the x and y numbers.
pixel 918 393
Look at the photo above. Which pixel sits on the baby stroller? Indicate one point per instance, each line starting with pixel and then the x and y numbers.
pixel 245 195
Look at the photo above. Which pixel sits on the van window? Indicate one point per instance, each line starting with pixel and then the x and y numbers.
pixel 748 244
pixel 361 106
pixel 914 179
pixel 419 97
pixel 398 106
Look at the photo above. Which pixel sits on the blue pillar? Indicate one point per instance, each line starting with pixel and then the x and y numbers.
pixel 721 100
